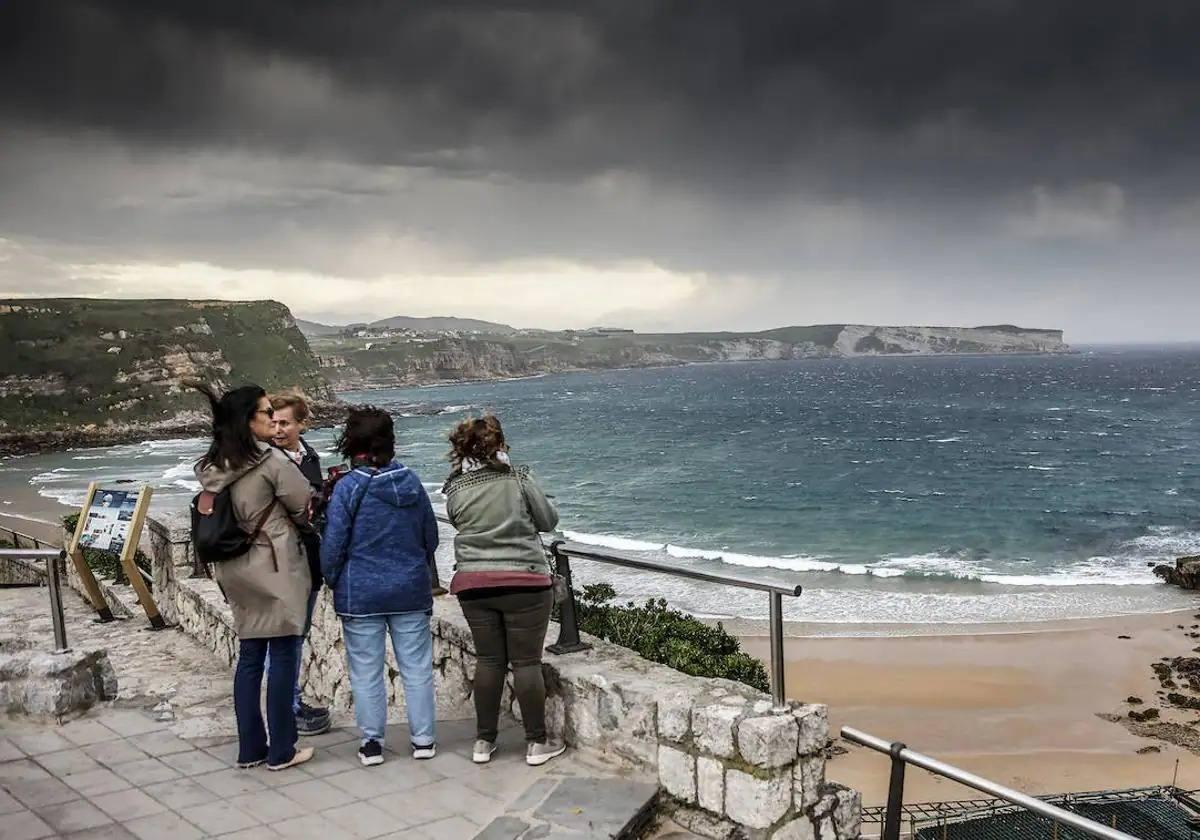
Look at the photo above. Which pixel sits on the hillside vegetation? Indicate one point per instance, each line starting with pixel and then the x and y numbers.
pixel 75 363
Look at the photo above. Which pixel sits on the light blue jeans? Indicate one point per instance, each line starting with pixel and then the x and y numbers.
pixel 366 647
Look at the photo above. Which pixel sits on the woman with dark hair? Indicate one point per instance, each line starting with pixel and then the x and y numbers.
pixel 502 579
pixel 380 537
pixel 267 587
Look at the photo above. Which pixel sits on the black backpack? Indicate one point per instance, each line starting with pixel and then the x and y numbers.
pixel 216 533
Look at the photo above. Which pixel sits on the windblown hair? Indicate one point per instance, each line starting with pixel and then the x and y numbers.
pixel 293 400
pixel 480 438
pixel 369 434
pixel 233 445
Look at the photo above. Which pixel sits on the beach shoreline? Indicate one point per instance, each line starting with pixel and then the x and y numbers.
pixel 1022 707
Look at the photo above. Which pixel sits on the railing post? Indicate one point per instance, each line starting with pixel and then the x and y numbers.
pixel 777 688
pixel 891 824
pixel 56 605
pixel 568 621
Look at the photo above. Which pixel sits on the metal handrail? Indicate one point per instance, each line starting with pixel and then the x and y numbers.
pixel 902 755
pixel 569 640
pixel 52 557
pixel 17 536
pixel 622 558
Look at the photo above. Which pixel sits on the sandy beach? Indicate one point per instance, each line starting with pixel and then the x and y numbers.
pixel 1016 704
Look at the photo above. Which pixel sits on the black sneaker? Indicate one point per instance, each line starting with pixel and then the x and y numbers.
pixel 312 721
pixel 423 752
pixel 371 753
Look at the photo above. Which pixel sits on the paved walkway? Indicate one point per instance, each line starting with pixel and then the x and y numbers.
pixel 118 773
pixel 159 764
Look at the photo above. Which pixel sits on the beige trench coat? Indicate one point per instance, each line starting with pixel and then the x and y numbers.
pixel 268 587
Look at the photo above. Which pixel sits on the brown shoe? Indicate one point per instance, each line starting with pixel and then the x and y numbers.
pixel 299 758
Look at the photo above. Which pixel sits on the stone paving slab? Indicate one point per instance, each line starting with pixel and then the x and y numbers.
pixel 125 770
pixel 51 786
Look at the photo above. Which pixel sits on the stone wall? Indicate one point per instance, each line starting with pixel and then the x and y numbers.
pixel 728 765
pixel 19 572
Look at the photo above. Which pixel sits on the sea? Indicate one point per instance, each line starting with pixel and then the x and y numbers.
pixel 938 490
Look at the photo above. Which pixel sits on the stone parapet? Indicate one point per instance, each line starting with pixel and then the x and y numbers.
pixel 729 766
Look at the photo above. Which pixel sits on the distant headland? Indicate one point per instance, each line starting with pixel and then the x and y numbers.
pixel 77 371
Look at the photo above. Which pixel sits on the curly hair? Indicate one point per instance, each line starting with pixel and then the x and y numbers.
pixel 479 438
pixel 369 434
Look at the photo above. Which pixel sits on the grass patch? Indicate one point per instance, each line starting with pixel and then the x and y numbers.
pixel 667 636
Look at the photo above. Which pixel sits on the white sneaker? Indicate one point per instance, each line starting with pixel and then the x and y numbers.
pixel 424 753
pixel 484 750
pixel 538 754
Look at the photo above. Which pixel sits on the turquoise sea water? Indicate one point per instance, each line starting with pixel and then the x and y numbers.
pixel 942 489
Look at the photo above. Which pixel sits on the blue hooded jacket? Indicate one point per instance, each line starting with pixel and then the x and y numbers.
pixel 379 564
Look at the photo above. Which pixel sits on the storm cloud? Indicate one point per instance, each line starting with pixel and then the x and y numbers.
pixel 755 163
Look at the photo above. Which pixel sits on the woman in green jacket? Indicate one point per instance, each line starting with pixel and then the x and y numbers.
pixel 502 579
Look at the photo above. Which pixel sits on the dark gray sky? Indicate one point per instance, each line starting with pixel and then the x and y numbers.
pixel 668 165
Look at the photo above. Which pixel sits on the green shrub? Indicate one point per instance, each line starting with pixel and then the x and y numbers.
pixel 667 636
pixel 105 564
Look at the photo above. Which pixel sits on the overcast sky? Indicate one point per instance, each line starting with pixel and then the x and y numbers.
pixel 662 165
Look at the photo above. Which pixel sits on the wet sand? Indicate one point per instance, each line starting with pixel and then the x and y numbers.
pixel 1015 704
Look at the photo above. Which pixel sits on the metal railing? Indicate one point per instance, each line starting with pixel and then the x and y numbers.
pixel 568 625
pixel 18 537
pixel 52 556
pixel 902 756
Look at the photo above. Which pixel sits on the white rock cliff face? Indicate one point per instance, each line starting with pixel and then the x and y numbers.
pixel 857 340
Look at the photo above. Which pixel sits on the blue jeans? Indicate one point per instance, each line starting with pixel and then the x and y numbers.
pixel 366 645
pixel 312 605
pixel 247 693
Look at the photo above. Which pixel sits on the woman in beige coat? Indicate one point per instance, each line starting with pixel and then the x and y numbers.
pixel 268 586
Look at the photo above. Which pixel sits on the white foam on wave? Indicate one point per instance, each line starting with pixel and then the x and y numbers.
pixel 614 542
pixel 1127 569
pixel 455 409
pixel 182 470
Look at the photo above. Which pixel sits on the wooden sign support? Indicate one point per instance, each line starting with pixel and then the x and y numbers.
pixel 81 567
pixel 128 554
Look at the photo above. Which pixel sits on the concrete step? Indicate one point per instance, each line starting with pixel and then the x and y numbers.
pixel 573 807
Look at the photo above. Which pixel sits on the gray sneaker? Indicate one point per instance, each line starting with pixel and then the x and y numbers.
pixel 483 751
pixel 538 754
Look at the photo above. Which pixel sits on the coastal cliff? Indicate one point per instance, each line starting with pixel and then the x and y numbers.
pixel 95 371
pixel 379 358
pixel 77 372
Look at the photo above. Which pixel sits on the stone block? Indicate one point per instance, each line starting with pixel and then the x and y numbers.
pixel 808 778
pixel 847 812
pixel 708 825
pixel 55 684
pixel 677 773
pixel 675 716
pixel 757 802
pixel 768 741
pixel 712 728
pixel 797 829
pixel 710 784
pixel 813 721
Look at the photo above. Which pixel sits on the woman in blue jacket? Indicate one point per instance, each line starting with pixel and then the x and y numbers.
pixel 378 547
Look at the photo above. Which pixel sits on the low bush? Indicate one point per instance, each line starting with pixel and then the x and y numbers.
pixel 105 564
pixel 670 637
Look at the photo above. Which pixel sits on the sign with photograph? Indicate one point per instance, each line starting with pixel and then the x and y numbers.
pixel 111 521
pixel 108 519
